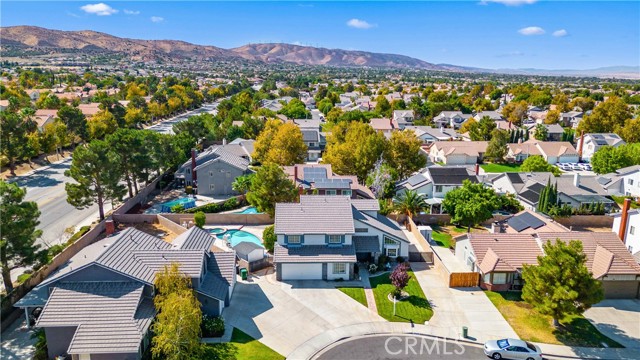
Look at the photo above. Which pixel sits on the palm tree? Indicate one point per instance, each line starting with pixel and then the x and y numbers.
pixel 242 184
pixel 410 203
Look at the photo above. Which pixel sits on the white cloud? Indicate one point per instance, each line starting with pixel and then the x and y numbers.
pixel 157 19
pixel 131 12
pixel 509 2
pixel 359 24
pixel 100 9
pixel 531 30
pixel 560 33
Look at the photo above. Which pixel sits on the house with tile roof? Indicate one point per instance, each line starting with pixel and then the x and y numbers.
pixel 458 152
pixel 319 179
pixel 552 151
pixel 213 171
pixel 322 237
pixel 499 259
pixel 403 118
pixel 100 303
pixel 430 135
pixel 452 119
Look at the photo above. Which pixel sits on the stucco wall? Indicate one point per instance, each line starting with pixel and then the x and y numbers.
pixel 225 219
pixel 587 221
pixel 220 175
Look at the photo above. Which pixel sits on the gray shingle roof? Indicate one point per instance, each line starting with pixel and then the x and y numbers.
pixel 222 264
pixel 382 223
pixel 214 287
pixel 194 239
pixel 366 243
pixel 314 254
pixel 110 315
pixel 366 204
pixel 226 157
pixel 315 214
pixel 243 248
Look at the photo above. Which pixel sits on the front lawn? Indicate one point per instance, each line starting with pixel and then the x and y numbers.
pixel 416 307
pixel 356 293
pixel 500 168
pixel 533 326
pixel 241 347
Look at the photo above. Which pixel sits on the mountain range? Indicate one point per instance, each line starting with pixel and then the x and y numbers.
pixel 32 37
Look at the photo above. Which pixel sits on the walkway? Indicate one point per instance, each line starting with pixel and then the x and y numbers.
pixel 17 343
pixel 368 292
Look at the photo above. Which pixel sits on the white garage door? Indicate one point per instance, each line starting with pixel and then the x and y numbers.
pixel 301 271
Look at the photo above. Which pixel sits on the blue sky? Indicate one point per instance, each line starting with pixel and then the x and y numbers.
pixel 489 33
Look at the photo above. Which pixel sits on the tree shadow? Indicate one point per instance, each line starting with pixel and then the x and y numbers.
pixel 222 351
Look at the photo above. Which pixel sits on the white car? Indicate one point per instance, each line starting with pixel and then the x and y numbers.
pixel 512 349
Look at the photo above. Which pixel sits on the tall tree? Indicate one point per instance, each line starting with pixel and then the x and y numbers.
pixel 242 184
pixel 96 169
pixel 515 111
pixel 481 131
pixel 541 132
pixel 471 204
pixel 177 328
pixel 630 132
pixel 403 153
pixel 14 128
pixel 128 144
pixel 410 203
pixel 609 159
pixel 497 147
pixel 287 147
pixel 561 284
pixel 18 234
pixel 537 163
pixel 269 186
pixel 353 149
pixel 75 121
pixel 606 117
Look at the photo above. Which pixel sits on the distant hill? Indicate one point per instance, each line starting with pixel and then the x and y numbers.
pixel 37 38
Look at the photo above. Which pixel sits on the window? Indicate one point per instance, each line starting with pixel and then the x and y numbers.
pixel 339 268
pixel 487 278
pixel 388 241
pixel 330 192
pixel 294 239
pixel 392 252
pixel 362 230
pixel 212 187
pixel 438 188
pixel 211 173
pixel 335 239
pixel 188 171
pixel 632 230
pixel 346 192
pixel 499 278
pixel 630 181
pixel 311 144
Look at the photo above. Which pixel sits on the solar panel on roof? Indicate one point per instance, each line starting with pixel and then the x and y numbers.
pixel 416 179
pixel 597 136
pixel 515 178
pixel 601 142
pixel 517 224
pixel 531 220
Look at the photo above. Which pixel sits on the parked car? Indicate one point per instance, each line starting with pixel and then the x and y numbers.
pixel 575 166
pixel 586 167
pixel 512 349
pixel 563 166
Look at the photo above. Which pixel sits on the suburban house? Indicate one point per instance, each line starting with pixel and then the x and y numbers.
pixel 429 135
pixel 382 125
pixel 622 182
pixel 100 303
pixel 499 259
pixel 458 152
pixel 571 118
pixel 43 117
pixel 453 119
pixel 552 151
pixel 312 137
pixel 435 182
pixel 588 144
pixel 403 118
pixel 574 190
pixel 627 225
pixel 322 237
pixel 319 179
pixel 554 131
pixel 493 115
pixel 213 171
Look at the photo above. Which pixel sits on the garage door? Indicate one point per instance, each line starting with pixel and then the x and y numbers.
pixel 301 271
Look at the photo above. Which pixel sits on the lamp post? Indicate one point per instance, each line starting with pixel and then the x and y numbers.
pixel 394 305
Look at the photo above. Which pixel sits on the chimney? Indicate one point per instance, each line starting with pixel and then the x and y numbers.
pixel 622 232
pixel 110 227
pixel 509 124
pixel 477 169
pixel 576 180
pixel 295 174
pixel 194 176
pixel 224 141
pixel 580 146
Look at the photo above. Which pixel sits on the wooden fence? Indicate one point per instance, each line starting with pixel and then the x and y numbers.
pixel 467 279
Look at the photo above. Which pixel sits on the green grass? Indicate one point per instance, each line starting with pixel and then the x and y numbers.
pixel 620 201
pixel 533 326
pixel 500 168
pixel 356 293
pixel 23 277
pixel 416 307
pixel 442 237
pixel 241 347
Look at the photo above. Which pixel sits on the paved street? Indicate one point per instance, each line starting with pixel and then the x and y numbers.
pixel 407 347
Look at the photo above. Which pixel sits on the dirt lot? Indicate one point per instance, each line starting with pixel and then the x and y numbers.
pixel 153 229
pixel 25 167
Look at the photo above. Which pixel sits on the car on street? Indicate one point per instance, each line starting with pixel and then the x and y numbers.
pixel 512 349
pixel 563 166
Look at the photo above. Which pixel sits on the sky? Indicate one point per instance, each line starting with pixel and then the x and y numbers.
pixel 490 34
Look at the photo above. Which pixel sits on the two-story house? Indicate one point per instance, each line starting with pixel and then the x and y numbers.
pixel 622 182
pixel 99 304
pixel 588 144
pixel 312 137
pixel 322 237
pixel 453 119
pixel 458 152
pixel 403 118
pixel 319 179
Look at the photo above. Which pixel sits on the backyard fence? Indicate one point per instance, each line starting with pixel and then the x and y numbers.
pixel 467 279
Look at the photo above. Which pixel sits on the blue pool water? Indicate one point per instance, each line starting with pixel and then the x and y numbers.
pixel 186 202
pixel 237 236
pixel 216 231
pixel 249 210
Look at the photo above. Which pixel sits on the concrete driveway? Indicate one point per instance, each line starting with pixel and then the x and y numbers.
pixel 617 319
pixel 283 315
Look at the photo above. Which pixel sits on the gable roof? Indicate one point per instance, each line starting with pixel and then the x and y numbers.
pixel 471 148
pixel 314 254
pixel 451 175
pixel 315 214
pixel 504 252
pixel 194 238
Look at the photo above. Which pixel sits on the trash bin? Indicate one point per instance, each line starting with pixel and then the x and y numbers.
pixel 243 273
pixel 465 332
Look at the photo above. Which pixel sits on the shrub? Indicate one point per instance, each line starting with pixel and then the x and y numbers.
pixel 83 230
pixel 53 251
pixel 230 204
pixel 23 277
pixel 373 268
pixel 212 326
pixel 382 260
pixel 400 260
pixel 189 189
pixel 269 238
pixel 177 208
pixel 200 218
pixel 400 279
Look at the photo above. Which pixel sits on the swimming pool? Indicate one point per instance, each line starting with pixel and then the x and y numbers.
pixel 237 236
pixel 216 231
pixel 249 210
pixel 165 207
